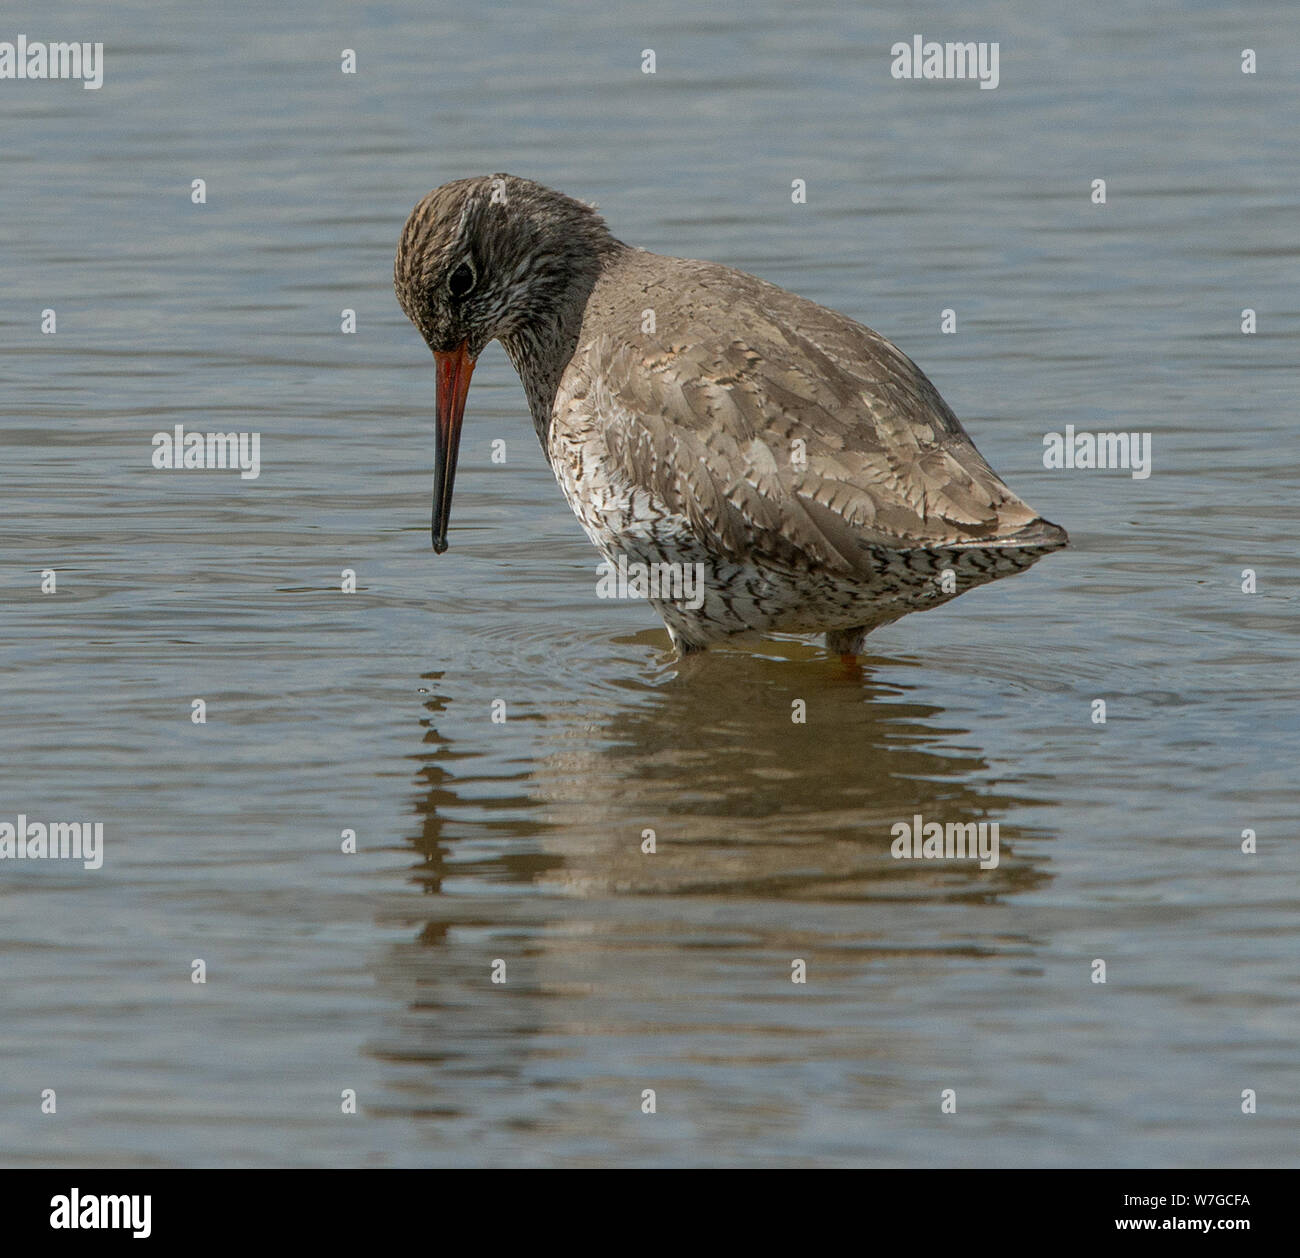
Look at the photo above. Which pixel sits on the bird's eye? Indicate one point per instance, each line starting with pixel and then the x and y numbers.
pixel 461 280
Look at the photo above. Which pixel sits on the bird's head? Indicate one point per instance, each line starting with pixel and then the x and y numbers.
pixel 490 258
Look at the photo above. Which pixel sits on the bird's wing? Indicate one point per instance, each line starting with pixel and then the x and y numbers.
pixel 778 427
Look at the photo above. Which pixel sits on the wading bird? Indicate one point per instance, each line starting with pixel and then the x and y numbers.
pixel 694 414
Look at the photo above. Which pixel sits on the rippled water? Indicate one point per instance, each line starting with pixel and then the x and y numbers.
pixel 520 841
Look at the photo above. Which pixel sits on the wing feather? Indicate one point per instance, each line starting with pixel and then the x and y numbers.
pixel 807 438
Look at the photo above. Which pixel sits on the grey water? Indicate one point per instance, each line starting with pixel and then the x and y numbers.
pixel 330 974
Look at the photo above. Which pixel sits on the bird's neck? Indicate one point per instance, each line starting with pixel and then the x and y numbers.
pixel 541 348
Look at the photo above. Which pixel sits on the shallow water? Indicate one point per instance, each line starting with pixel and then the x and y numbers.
pixel 520 841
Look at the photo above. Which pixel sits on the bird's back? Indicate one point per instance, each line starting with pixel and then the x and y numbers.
pixel 779 429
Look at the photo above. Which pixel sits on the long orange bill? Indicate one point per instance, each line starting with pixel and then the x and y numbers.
pixel 454 371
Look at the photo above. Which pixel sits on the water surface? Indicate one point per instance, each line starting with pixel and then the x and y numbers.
pixel 521 841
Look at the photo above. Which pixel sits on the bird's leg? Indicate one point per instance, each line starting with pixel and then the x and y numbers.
pixel 848 642
pixel 683 645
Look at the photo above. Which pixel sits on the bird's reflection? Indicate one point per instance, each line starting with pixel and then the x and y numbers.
pixel 770 780
pixel 749 777
pixel 438 779
pixel 765 780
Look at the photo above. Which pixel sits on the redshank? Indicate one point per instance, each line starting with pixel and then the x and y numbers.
pixel 696 415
